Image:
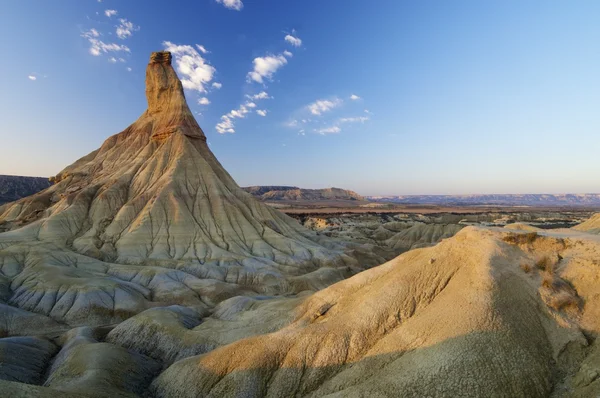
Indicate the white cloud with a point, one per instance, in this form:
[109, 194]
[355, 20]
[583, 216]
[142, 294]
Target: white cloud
[202, 49]
[239, 113]
[265, 67]
[97, 46]
[359, 119]
[368, 112]
[110, 13]
[217, 85]
[329, 130]
[203, 101]
[225, 126]
[294, 41]
[288, 54]
[32, 77]
[259, 96]
[126, 28]
[129, 69]
[354, 97]
[261, 112]
[196, 73]
[232, 4]
[321, 106]
[112, 60]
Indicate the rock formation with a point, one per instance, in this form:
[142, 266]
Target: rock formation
[382, 231]
[151, 219]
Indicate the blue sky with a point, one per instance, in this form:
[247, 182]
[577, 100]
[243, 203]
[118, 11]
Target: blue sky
[387, 97]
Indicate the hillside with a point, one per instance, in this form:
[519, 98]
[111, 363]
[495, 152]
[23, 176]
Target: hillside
[592, 225]
[154, 201]
[16, 187]
[489, 312]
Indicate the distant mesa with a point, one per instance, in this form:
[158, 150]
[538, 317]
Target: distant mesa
[287, 193]
[555, 200]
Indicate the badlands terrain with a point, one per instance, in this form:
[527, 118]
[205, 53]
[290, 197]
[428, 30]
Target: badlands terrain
[395, 231]
[145, 270]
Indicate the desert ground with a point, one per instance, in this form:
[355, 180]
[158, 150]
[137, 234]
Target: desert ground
[145, 270]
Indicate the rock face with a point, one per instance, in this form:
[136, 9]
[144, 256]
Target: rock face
[150, 219]
[284, 193]
[16, 187]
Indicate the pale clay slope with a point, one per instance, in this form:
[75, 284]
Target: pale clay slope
[459, 319]
[151, 229]
[463, 318]
[592, 225]
[392, 237]
[152, 219]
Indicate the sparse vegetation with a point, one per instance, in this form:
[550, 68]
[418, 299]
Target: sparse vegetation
[559, 294]
[548, 280]
[545, 264]
[521, 239]
[563, 300]
[527, 268]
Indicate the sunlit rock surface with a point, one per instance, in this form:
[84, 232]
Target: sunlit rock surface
[152, 219]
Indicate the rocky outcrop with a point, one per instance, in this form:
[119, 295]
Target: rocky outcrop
[152, 219]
